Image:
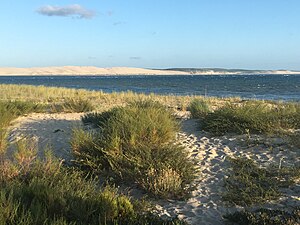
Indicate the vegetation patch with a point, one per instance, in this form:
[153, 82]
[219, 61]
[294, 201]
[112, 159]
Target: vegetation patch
[253, 117]
[249, 184]
[37, 192]
[199, 109]
[265, 216]
[10, 110]
[295, 140]
[137, 144]
[50, 95]
[70, 105]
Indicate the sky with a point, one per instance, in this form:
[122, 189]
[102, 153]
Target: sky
[246, 34]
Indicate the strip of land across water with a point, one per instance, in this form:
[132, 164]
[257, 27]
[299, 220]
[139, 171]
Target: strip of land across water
[113, 71]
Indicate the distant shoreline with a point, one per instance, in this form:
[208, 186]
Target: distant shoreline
[129, 71]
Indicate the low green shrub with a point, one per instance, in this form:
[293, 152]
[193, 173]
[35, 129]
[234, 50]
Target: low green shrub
[3, 141]
[252, 117]
[160, 181]
[34, 191]
[248, 184]
[295, 140]
[137, 144]
[12, 109]
[73, 105]
[19, 107]
[265, 216]
[93, 118]
[88, 151]
[199, 109]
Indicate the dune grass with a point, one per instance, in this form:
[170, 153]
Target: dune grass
[265, 216]
[10, 110]
[42, 191]
[132, 143]
[249, 184]
[99, 99]
[137, 144]
[253, 117]
[199, 108]
[295, 140]
[70, 105]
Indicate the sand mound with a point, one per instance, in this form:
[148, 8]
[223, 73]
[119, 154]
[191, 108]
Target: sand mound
[84, 70]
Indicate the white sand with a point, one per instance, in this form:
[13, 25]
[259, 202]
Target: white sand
[205, 206]
[53, 130]
[85, 70]
[91, 70]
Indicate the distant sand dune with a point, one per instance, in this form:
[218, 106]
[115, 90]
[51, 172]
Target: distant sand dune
[85, 70]
[113, 71]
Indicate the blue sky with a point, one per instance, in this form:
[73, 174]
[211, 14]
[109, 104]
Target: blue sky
[252, 34]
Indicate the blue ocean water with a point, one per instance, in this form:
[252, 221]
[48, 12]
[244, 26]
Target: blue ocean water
[271, 87]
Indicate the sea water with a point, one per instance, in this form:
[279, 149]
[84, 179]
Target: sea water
[270, 87]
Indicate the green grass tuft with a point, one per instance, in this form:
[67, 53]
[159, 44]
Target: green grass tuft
[265, 216]
[253, 117]
[249, 184]
[70, 105]
[199, 109]
[34, 191]
[137, 144]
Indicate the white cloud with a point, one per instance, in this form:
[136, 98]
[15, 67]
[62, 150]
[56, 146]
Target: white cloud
[67, 11]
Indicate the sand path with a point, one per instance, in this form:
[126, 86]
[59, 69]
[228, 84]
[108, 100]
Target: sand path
[53, 130]
[210, 153]
[206, 205]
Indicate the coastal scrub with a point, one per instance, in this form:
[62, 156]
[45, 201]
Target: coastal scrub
[137, 144]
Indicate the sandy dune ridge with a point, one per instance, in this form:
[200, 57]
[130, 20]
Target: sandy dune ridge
[85, 70]
[117, 71]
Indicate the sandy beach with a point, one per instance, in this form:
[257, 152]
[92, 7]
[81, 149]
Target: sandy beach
[210, 154]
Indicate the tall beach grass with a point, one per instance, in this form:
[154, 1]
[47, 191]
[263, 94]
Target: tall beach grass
[250, 116]
[35, 191]
[137, 144]
[100, 100]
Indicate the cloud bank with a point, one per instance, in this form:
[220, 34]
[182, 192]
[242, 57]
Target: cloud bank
[67, 11]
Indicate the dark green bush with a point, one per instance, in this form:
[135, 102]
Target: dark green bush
[199, 109]
[12, 109]
[19, 107]
[137, 144]
[94, 118]
[295, 140]
[252, 117]
[73, 105]
[45, 192]
[248, 184]
[264, 217]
